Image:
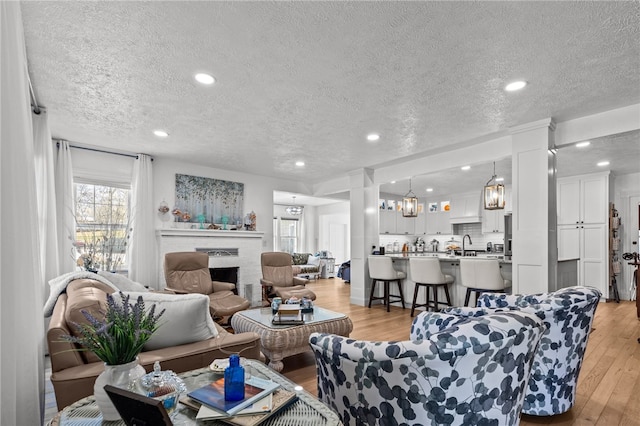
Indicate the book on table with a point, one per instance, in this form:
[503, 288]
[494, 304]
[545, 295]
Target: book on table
[212, 395]
[279, 401]
[288, 314]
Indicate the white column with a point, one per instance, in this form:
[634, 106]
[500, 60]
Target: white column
[535, 254]
[364, 231]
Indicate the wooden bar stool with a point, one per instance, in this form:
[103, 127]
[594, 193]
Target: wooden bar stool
[480, 275]
[381, 269]
[426, 272]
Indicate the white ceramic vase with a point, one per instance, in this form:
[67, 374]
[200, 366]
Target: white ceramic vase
[121, 376]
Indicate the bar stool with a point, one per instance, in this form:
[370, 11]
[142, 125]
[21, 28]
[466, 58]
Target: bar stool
[480, 275]
[426, 272]
[381, 269]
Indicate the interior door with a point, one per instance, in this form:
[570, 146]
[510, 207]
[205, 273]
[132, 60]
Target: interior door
[338, 241]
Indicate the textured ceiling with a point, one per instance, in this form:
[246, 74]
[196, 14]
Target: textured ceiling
[308, 80]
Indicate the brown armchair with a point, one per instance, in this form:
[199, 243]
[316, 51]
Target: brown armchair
[278, 280]
[188, 272]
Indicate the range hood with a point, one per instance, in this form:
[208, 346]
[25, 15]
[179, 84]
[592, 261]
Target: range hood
[465, 219]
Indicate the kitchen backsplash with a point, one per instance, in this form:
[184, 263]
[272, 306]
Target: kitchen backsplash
[478, 239]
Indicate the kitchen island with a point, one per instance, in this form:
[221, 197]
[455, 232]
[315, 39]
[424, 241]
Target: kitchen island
[450, 264]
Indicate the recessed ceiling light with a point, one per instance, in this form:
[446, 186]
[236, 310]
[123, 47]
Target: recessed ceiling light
[603, 163]
[499, 179]
[516, 85]
[583, 144]
[429, 189]
[205, 79]
[160, 133]
[393, 181]
[465, 168]
[299, 163]
[372, 137]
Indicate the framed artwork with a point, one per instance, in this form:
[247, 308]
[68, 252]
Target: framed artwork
[214, 199]
[445, 206]
[433, 207]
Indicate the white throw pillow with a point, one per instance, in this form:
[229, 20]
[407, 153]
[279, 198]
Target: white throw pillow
[312, 260]
[121, 282]
[186, 318]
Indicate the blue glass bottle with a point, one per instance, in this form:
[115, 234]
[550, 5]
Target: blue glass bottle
[234, 380]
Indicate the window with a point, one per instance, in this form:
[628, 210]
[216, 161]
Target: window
[102, 226]
[286, 234]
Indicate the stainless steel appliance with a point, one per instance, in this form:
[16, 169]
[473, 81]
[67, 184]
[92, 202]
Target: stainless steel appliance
[508, 235]
[498, 248]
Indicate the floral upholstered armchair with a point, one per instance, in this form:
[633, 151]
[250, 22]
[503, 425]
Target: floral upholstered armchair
[567, 314]
[473, 372]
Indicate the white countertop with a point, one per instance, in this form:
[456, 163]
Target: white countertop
[445, 257]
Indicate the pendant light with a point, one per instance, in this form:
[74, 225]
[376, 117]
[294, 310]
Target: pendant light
[410, 203]
[494, 193]
[294, 210]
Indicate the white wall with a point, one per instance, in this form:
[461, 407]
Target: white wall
[333, 219]
[627, 188]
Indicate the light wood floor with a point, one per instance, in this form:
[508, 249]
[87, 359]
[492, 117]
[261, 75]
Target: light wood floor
[609, 383]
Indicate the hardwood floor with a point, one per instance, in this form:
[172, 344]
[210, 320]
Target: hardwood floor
[609, 384]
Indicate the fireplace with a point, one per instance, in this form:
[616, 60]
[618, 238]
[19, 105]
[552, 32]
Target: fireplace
[226, 275]
[234, 254]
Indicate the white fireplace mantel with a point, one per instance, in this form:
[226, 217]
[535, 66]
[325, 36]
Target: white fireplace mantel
[247, 243]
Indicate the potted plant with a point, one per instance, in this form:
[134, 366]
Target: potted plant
[117, 339]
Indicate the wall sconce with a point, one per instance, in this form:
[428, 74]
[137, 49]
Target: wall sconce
[494, 193]
[410, 203]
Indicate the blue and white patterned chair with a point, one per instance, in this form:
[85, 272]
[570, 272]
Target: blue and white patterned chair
[473, 372]
[568, 314]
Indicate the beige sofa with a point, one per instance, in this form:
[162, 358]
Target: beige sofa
[74, 372]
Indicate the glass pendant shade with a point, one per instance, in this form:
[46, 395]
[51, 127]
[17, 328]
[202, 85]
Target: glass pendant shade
[294, 210]
[410, 204]
[494, 193]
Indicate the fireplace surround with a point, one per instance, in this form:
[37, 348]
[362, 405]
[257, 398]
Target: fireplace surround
[236, 250]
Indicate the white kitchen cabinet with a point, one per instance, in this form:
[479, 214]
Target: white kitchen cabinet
[492, 221]
[583, 199]
[405, 225]
[583, 225]
[387, 222]
[438, 223]
[420, 224]
[588, 243]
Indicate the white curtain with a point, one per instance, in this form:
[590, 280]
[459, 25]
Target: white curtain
[142, 249]
[21, 283]
[65, 210]
[46, 191]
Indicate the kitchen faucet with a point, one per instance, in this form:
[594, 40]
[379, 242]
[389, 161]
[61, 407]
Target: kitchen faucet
[463, 238]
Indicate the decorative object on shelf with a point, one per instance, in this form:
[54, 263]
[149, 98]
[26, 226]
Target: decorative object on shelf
[252, 219]
[410, 203]
[201, 218]
[494, 193]
[116, 339]
[177, 213]
[295, 209]
[225, 222]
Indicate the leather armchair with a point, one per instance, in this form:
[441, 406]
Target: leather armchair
[188, 272]
[475, 372]
[278, 280]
